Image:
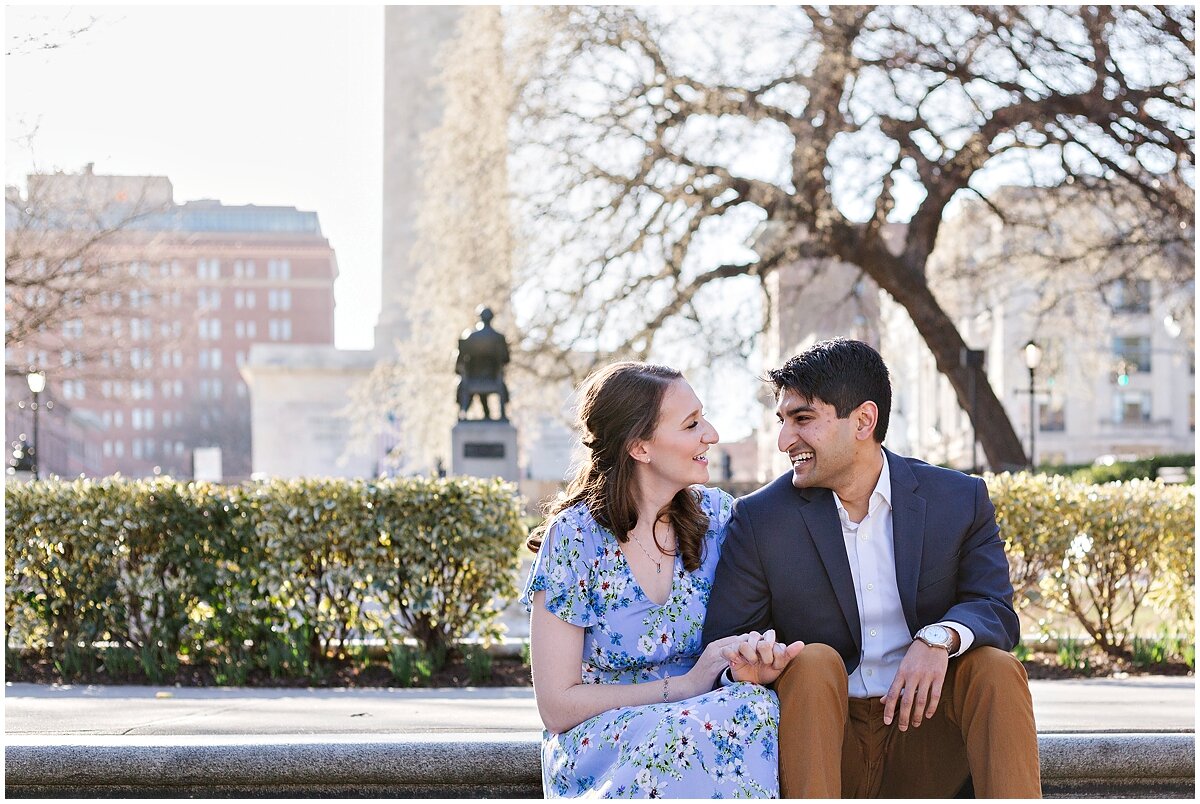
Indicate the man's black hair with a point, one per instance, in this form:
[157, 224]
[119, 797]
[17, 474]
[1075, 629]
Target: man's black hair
[840, 372]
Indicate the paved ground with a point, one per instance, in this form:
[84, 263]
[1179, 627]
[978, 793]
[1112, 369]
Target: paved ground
[34, 712]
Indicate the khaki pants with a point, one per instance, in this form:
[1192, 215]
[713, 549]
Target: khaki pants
[831, 746]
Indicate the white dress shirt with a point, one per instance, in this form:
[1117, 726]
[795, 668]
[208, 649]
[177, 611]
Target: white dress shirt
[871, 552]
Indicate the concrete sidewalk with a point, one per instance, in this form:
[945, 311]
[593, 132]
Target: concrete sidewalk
[37, 713]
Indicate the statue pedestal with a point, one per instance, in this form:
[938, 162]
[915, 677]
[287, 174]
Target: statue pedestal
[485, 448]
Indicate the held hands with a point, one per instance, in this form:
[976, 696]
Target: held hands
[915, 693]
[710, 665]
[758, 658]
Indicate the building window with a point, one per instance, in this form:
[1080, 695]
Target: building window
[249, 269]
[210, 329]
[1052, 416]
[108, 449]
[1131, 407]
[208, 269]
[239, 329]
[251, 299]
[1133, 352]
[1128, 296]
[119, 449]
[118, 418]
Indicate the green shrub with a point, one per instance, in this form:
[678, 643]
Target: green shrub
[1100, 552]
[1119, 471]
[278, 576]
[448, 555]
[409, 666]
[479, 664]
[1072, 654]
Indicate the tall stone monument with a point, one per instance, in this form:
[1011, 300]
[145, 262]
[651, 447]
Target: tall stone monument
[484, 447]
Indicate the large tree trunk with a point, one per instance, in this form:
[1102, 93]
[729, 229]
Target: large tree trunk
[993, 429]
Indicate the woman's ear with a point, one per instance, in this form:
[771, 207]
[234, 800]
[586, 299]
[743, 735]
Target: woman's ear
[638, 451]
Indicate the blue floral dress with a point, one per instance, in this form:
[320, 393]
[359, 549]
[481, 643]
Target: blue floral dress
[721, 744]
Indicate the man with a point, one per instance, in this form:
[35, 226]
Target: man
[893, 573]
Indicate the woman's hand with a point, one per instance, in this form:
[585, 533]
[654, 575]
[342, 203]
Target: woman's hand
[758, 658]
[712, 662]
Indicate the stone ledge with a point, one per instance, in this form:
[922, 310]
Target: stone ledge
[458, 765]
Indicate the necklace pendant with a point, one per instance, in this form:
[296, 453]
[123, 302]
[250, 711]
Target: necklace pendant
[658, 569]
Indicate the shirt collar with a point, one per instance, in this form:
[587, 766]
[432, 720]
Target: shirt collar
[881, 494]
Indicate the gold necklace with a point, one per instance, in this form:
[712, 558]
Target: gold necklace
[657, 564]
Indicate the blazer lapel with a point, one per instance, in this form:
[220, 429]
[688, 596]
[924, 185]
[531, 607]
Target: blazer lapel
[908, 534]
[825, 529]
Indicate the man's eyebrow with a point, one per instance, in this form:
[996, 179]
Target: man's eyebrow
[796, 410]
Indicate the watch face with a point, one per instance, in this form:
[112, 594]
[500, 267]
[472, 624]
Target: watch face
[936, 634]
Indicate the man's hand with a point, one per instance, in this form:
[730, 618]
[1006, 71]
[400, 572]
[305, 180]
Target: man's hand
[758, 658]
[918, 685]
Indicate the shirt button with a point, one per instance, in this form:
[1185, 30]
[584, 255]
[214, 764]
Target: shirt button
[870, 672]
[870, 586]
[872, 632]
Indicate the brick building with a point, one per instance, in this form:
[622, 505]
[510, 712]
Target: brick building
[151, 359]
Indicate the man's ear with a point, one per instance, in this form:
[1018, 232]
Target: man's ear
[866, 416]
[638, 451]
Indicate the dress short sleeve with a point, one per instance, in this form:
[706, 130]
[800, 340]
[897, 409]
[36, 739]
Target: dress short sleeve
[563, 570]
[718, 505]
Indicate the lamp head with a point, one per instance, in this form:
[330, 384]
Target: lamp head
[1033, 355]
[37, 381]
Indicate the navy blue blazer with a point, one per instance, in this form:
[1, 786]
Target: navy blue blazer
[784, 564]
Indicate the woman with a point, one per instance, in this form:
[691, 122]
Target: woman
[617, 594]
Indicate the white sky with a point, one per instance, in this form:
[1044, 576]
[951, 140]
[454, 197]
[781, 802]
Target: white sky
[269, 105]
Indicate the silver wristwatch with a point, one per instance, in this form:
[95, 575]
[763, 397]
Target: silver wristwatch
[937, 636]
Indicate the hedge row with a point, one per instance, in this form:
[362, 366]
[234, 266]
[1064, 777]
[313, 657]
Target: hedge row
[277, 576]
[1142, 468]
[1100, 554]
[280, 576]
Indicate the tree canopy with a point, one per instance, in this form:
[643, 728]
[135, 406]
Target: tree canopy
[650, 144]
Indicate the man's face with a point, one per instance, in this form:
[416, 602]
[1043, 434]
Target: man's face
[823, 448]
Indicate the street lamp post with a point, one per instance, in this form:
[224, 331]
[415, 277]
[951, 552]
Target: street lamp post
[37, 384]
[973, 360]
[1033, 358]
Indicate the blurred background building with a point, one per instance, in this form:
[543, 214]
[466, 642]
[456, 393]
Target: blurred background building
[148, 370]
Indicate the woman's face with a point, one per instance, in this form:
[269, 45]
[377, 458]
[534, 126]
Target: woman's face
[676, 455]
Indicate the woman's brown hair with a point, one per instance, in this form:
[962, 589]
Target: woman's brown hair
[620, 404]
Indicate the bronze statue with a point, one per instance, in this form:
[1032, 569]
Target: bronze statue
[482, 355]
